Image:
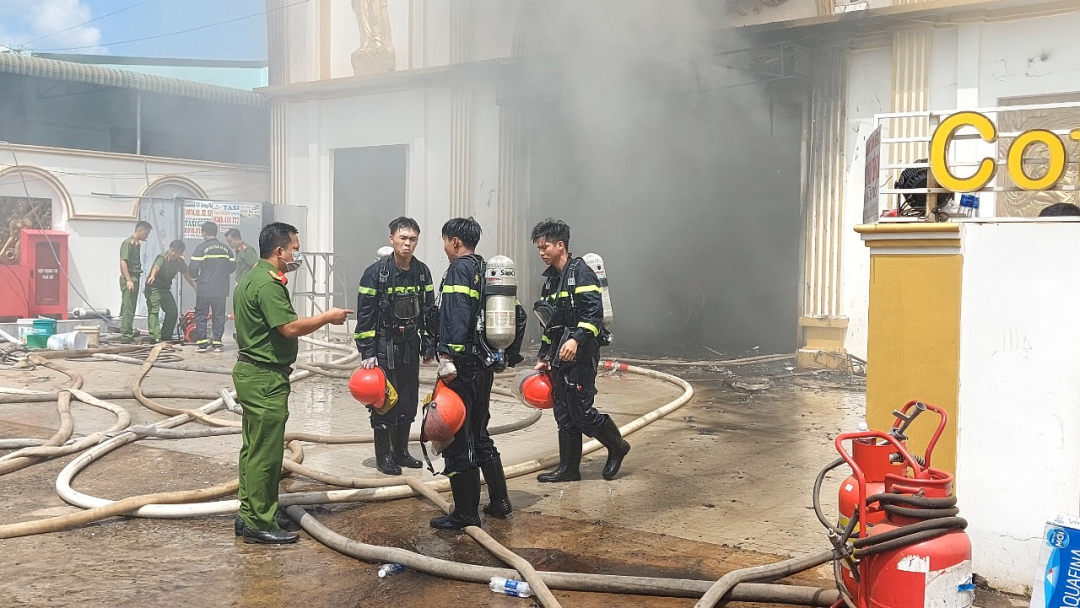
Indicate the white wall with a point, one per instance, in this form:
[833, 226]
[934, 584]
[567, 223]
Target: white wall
[1019, 427]
[97, 224]
[973, 65]
[419, 118]
[1030, 57]
[869, 93]
[755, 12]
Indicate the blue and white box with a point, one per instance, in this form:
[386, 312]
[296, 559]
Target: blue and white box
[1057, 580]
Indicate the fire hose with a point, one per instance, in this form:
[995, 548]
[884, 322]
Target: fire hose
[577, 582]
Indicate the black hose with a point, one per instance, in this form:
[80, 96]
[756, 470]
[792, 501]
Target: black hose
[921, 513]
[958, 523]
[918, 501]
[899, 543]
[817, 494]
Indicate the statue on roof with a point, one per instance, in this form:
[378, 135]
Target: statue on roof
[376, 53]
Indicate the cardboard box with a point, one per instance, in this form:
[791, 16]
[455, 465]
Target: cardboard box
[1057, 579]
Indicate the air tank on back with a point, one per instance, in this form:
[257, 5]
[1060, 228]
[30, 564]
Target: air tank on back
[596, 262]
[384, 252]
[500, 307]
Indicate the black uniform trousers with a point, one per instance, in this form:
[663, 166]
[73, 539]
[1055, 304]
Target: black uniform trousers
[472, 445]
[216, 306]
[575, 391]
[405, 378]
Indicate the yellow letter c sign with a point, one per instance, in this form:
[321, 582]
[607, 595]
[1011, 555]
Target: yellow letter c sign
[939, 152]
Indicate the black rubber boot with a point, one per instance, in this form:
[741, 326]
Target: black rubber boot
[399, 447]
[282, 519]
[569, 460]
[466, 488]
[499, 500]
[383, 459]
[273, 537]
[617, 447]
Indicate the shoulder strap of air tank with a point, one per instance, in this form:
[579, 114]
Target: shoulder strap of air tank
[384, 272]
[381, 290]
[570, 281]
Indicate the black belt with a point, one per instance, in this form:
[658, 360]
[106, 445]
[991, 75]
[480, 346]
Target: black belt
[284, 369]
[401, 328]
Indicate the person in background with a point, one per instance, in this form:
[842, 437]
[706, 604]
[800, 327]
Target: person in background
[211, 264]
[158, 290]
[245, 255]
[1060, 210]
[130, 273]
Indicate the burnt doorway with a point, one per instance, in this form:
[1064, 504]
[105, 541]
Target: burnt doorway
[370, 190]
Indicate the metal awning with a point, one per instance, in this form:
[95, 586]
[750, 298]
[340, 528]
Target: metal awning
[13, 63]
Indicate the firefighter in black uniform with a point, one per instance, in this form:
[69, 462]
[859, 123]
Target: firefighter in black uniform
[468, 369]
[393, 296]
[212, 265]
[572, 312]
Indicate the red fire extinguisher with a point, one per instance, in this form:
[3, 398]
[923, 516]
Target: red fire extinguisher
[900, 537]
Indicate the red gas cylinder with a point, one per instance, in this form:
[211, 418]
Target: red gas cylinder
[884, 472]
[936, 571]
[874, 458]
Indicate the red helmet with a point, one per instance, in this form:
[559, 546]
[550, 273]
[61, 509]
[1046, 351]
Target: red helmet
[445, 415]
[369, 386]
[534, 389]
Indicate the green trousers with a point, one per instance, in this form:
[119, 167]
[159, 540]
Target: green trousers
[129, 300]
[264, 396]
[160, 300]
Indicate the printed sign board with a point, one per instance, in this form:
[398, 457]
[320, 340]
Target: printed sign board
[872, 188]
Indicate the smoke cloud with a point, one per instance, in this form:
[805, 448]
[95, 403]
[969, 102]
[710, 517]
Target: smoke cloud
[655, 135]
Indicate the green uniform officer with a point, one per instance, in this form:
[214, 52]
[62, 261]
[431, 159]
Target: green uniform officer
[130, 273]
[246, 256]
[159, 297]
[267, 333]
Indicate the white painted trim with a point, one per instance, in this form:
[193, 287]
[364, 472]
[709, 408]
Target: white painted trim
[914, 251]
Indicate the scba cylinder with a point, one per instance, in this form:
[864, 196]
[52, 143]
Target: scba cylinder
[500, 302]
[596, 262]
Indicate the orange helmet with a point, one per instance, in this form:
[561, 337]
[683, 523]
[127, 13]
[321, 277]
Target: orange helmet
[534, 389]
[445, 415]
[370, 387]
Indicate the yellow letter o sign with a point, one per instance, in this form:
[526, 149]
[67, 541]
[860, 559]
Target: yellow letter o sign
[1054, 172]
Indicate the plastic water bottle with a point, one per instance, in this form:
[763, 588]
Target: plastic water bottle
[510, 587]
[386, 570]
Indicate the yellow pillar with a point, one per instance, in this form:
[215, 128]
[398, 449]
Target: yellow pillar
[913, 336]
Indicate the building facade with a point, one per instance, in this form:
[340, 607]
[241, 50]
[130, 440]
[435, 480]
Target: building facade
[103, 145]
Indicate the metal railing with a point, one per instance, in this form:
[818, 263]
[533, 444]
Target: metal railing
[901, 150]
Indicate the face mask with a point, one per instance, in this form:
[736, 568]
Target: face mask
[298, 261]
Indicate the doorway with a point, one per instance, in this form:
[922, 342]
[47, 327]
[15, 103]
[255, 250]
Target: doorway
[370, 190]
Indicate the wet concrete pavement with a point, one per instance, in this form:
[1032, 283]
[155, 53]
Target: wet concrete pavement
[727, 473]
